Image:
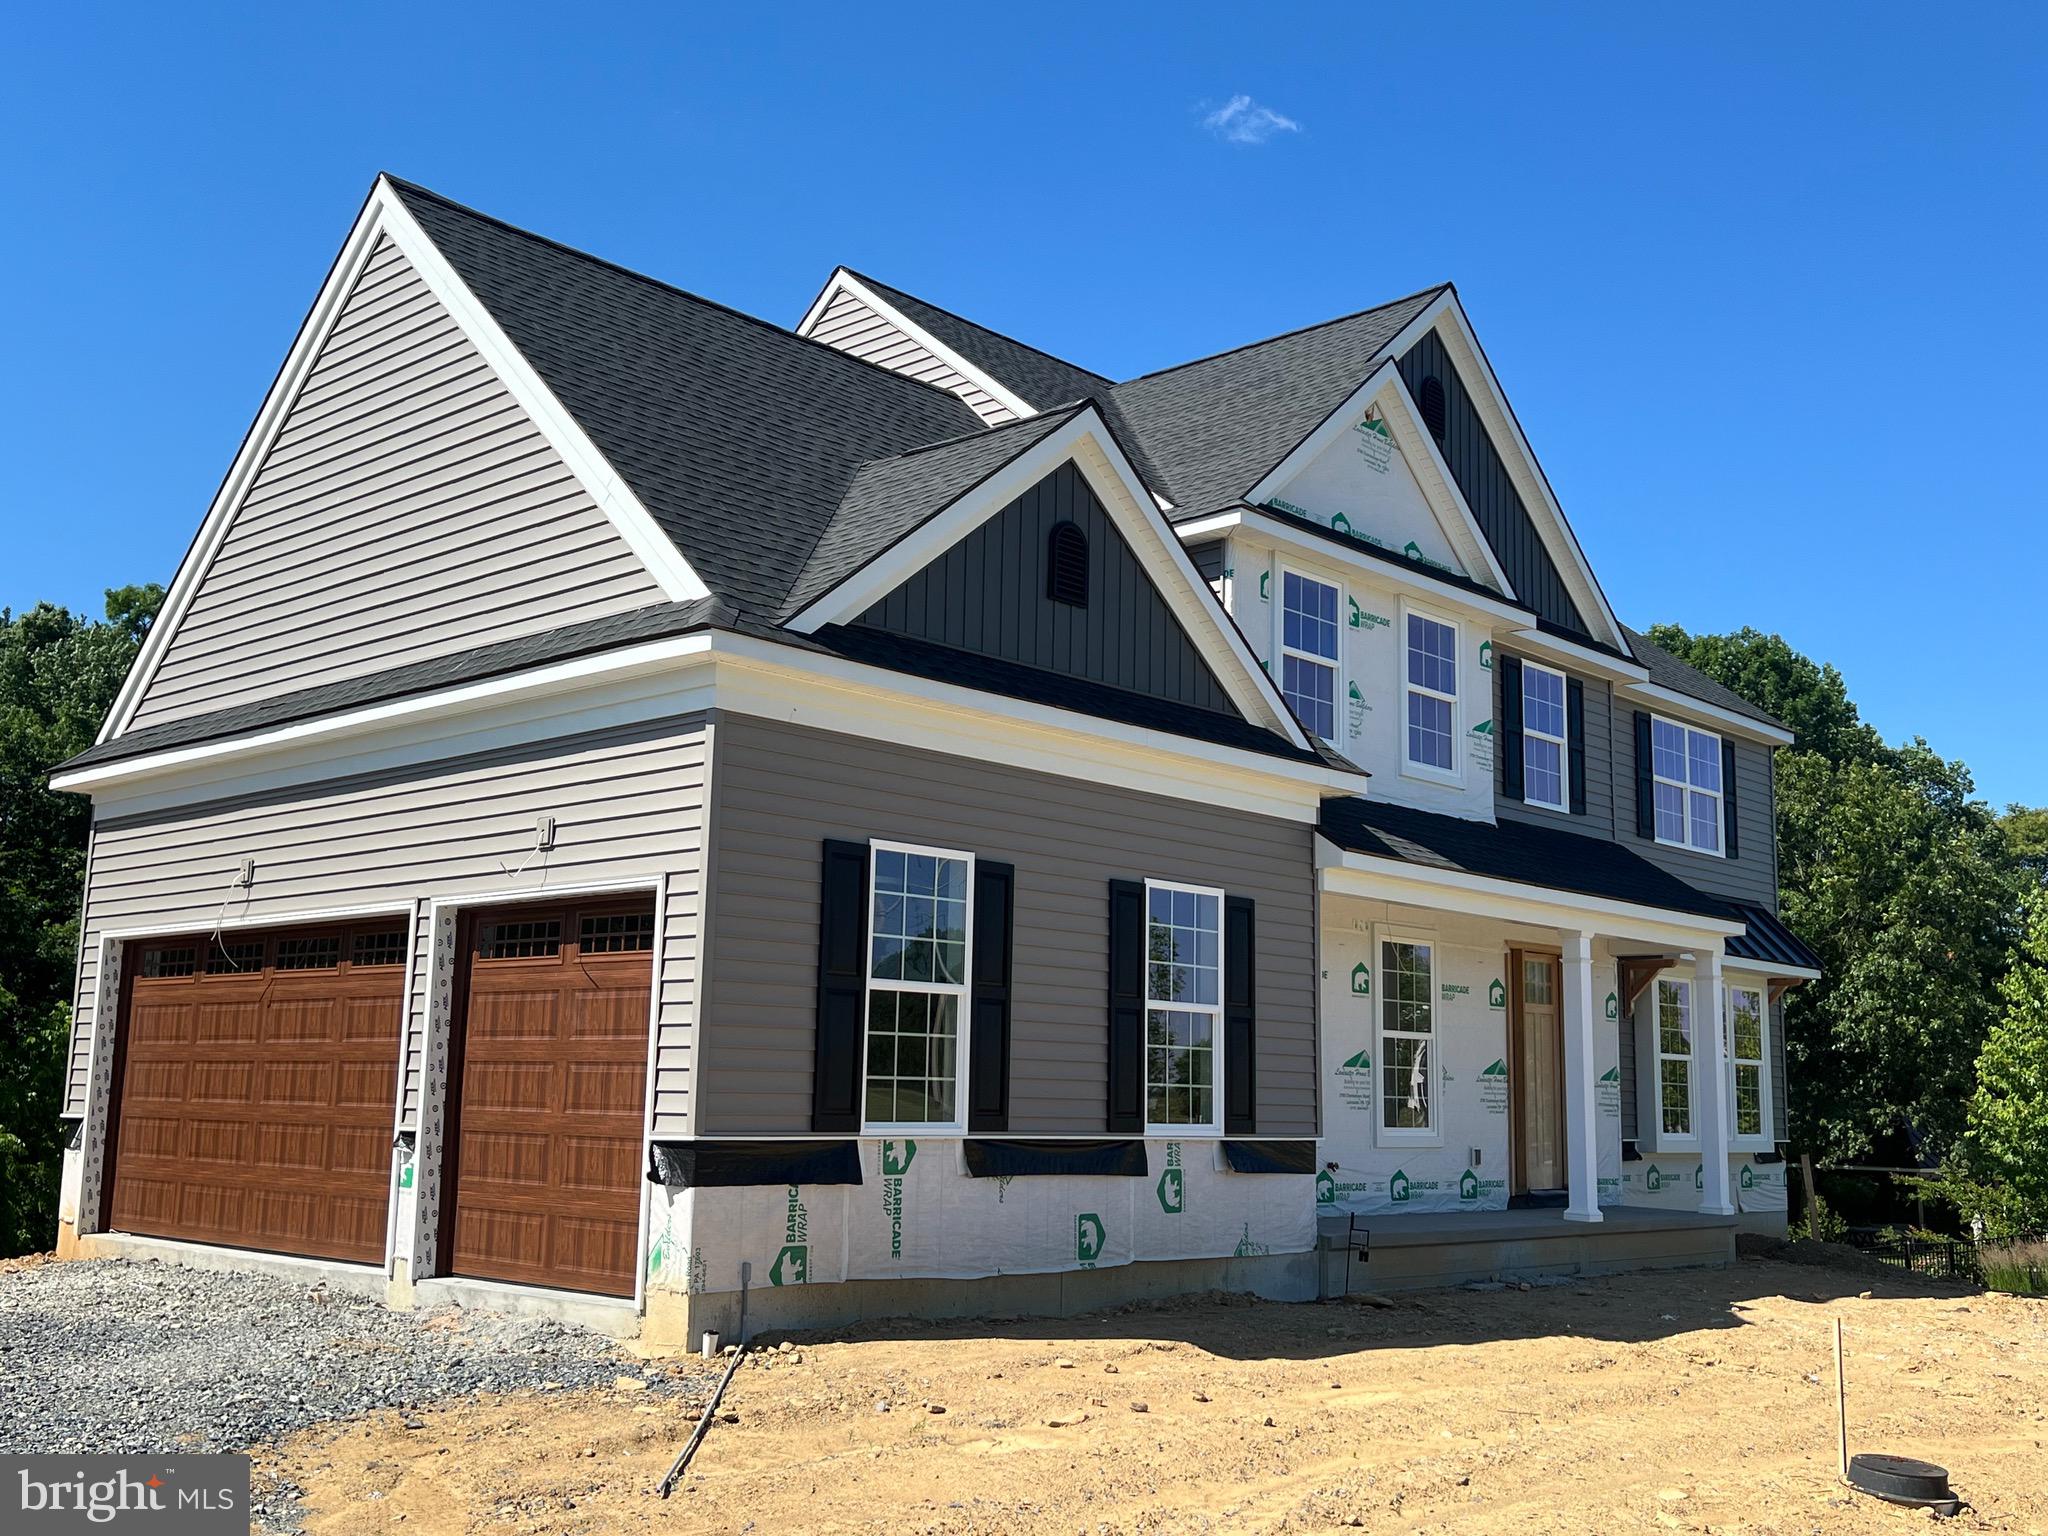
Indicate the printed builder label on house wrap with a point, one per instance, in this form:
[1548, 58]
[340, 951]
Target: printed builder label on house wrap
[163, 1495]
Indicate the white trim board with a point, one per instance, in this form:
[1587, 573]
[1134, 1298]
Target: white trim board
[1711, 716]
[384, 214]
[843, 281]
[1447, 313]
[1385, 388]
[1088, 442]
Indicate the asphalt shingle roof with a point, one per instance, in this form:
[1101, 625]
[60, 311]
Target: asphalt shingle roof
[1038, 378]
[1211, 429]
[1668, 671]
[1511, 850]
[739, 437]
[890, 498]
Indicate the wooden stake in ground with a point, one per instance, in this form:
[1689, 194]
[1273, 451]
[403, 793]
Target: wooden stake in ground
[1841, 1406]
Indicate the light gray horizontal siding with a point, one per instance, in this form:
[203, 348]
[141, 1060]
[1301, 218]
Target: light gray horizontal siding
[781, 791]
[627, 803]
[1598, 820]
[853, 327]
[408, 508]
[1752, 876]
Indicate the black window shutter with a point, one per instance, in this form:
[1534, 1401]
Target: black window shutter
[1728, 839]
[842, 983]
[1240, 1017]
[1575, 741]
[988, 1033]
[1511, 727]
[1126, 1008]
[1646, 783]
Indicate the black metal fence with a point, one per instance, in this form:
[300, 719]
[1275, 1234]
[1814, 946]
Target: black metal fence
[1939, 1258]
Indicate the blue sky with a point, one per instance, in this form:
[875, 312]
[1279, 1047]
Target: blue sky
[1763, 284]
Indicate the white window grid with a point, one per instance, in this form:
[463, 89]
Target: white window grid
[1685, 767]
[1311, 651]
[931, 1000]
[1672, 1036]
[1546, 759]
[1429, 712]
[1405, 1094]
[1749, 1024]
[1183, 1009]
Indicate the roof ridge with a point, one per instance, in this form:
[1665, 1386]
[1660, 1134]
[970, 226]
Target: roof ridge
[1051, 357]
[1299, 330]
[655, 282]
[1051, 416]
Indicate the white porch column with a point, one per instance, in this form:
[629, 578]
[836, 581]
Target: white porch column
[1581, 1115]
[1709, 1028]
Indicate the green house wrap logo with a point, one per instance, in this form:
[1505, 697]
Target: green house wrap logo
[792, 1266]
[896, 1156]
[1397, 1187]
[1496, 993]
[1468, 1185]
[1173, 1184]
[1613, 1006]
[1498, 1069]
[1362, 1062]
[1089, 1236]
[1748, 1177]
[1326, 1188]
[1486, 655]
[1265, 586]
[1653, 1178]
[1361, 984]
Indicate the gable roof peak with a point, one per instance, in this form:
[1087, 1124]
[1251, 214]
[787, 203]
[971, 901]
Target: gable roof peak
[1432, 292]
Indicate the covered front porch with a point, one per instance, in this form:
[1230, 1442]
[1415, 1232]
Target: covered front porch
[1492, 1016]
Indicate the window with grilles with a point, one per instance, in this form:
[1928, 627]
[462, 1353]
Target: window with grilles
[315, 952]
[616, 933]
[522, 941]
[157, 963]
[378, 948]
[232, 957]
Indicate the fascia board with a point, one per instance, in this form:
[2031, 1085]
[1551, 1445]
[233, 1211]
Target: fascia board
[1723, 719]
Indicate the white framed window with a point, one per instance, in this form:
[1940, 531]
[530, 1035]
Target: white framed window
[1546, 765]
[1310, 661]
[920, 929]
[1430, 698]
[1748, 1029]
[1673, 1032]
[1183, 1008]
[1686, 766]
[1407, 1087]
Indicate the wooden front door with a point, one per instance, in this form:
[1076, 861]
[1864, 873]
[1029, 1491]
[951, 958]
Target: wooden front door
[547, 1092]
[254, 1084]
[1536, 1070]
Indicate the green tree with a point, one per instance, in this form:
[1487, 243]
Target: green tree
[2005, 1149]
[1905, 885]
[2026, 831]
[58, 676]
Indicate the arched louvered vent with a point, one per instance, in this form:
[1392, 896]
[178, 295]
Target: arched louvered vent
[1066, 565]
[1432, 404]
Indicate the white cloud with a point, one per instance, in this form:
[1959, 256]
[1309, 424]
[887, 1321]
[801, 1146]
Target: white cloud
[1241, 120]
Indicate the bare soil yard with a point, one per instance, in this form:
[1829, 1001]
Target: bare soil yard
[1697, 1401]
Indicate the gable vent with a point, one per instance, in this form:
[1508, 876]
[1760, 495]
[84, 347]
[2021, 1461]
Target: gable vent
[1066, 565]
[1432, 403]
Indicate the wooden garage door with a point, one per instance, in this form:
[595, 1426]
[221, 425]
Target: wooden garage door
[548, 1096]
[255, 1076]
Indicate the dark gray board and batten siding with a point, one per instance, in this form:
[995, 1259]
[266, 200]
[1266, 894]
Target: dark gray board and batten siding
[781, 791]
[628, 803]
[1488, 488]
[987, 595]
[407, 508]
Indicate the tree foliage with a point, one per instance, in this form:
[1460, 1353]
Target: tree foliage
[1906, 886]
[58, 677]
[2005, 1148]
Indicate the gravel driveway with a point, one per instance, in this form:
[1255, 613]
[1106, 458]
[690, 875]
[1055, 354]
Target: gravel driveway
[114, 1355]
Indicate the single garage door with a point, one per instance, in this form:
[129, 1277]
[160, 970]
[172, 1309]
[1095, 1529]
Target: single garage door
[255, 1076]
[548, 1093]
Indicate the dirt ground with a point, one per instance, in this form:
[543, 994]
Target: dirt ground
[1689, 1401]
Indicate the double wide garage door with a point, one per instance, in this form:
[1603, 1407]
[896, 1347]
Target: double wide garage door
[255, 1082]
[256, 1077]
